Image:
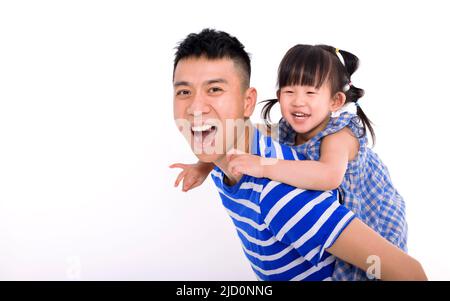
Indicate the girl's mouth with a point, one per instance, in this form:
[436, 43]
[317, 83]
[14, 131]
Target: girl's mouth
[300, 115]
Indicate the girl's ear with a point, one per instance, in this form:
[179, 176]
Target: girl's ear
[338, 101]
[250, 102]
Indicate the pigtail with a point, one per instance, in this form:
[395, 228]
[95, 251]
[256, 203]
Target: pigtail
[353, 94]
[265, 112]
[351, 61]
[366, 122]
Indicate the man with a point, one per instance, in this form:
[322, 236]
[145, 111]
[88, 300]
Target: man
[287, 233]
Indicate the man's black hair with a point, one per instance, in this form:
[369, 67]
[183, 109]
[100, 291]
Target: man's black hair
[213, 44]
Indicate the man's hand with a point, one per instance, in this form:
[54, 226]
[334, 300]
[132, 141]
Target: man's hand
[192, 175]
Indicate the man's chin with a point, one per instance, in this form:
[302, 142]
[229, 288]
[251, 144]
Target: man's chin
[209, 158]
[207, 152]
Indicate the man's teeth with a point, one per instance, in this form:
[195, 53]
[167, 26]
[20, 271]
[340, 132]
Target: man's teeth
[204, 134]
[202, 128]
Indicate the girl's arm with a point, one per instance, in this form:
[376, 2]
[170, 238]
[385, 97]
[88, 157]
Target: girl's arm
[361, 246]
[326, 174]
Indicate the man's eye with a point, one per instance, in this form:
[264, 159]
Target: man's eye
[215, 90]
[182, 93]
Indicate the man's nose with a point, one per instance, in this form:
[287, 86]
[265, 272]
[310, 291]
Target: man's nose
[199, 105]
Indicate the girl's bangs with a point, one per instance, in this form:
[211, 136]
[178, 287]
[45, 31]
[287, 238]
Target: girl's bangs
[305, 67]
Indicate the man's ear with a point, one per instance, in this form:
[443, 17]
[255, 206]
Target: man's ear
[338, 101]
[250, 102]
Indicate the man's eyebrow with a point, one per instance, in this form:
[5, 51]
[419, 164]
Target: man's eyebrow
[208, 82]
[181, 83]
[216, 81]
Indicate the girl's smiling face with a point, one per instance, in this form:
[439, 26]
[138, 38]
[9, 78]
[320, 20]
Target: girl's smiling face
[307, 108]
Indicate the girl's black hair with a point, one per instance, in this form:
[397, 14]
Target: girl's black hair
[313, 65]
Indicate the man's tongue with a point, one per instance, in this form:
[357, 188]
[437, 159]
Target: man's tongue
[204, 136]
[200, 136]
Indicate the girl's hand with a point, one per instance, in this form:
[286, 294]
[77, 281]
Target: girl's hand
[242, 163]
[193, 175]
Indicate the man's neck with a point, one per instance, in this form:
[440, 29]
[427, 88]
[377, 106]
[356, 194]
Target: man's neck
[244, 144]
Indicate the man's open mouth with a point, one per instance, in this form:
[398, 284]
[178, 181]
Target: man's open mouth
[204, 134]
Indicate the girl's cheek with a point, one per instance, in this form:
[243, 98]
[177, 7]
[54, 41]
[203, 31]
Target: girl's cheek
[283, 103]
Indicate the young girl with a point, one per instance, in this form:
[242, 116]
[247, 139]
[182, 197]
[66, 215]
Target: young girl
[323, 121]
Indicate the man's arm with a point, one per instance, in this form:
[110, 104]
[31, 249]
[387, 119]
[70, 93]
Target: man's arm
[314, 222]
[357, 242]
[192, 175]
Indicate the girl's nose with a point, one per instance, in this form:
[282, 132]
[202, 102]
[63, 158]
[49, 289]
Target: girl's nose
[298, 101]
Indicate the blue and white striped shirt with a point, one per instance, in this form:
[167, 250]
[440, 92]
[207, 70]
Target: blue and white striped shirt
[284, 230]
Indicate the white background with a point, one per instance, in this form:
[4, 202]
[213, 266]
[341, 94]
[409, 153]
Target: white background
[87, 133]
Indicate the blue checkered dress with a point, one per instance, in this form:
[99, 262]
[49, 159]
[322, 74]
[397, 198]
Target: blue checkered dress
[367, 188]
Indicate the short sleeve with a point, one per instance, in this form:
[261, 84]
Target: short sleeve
[310, 221]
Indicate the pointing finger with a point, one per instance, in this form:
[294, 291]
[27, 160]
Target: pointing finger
[180, 177]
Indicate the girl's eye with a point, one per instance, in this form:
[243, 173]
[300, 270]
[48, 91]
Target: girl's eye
[288, 91]
[310, 92]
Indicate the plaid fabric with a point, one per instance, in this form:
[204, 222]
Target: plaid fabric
[367, 188]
